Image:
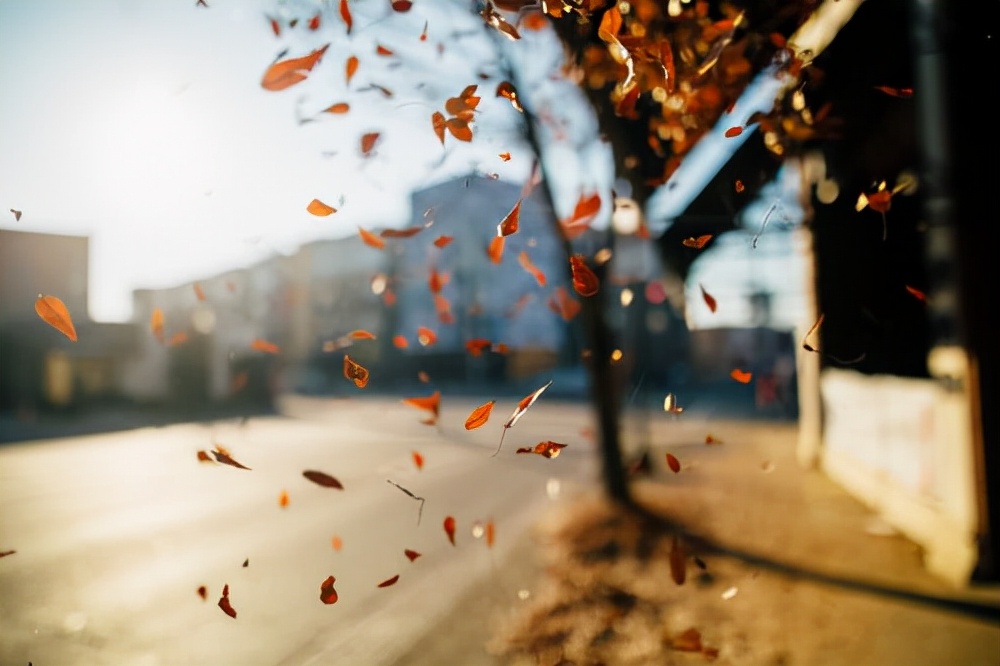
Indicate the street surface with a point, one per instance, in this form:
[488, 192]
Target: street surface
[115, 533]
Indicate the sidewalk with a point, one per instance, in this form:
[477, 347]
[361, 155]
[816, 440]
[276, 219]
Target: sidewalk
[795, 572]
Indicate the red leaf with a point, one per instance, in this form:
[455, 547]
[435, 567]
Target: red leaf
[431, 403]
[345, 13]
[423, 35]
[585, 281]
[356, 372]
[504, 157]
[546, 449]
[733, 131]
[698, 242]
[587, 207]
[418, 460]
[287, 73]
[322, 479]
[371, 239]
[741, 376]
[400, 342]
[368, 141]
[449, 529]
[510, 224]
[709, 299]
[314, 21]
[204, 457]
[531, 268]
[327, 594]
[411, 554]
[495, 250]
[389, 581]
[442, 241]
[916, 293]
[479, 416]
[438, 122]
[402, 5]
[55, 313]
[383, 51]
[563, 304]
[275, 26]
[203, 592]
[224, 604]
[673, 463]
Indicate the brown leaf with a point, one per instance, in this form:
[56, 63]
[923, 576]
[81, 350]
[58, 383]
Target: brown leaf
[673, 463]
[55, 313]
[327, 594]
[697, 243]
[708, 298]
[389, 581]
[224, 604]
[411, 554]
[678, 562]
[203, 592]
[222, 456]
[322, 479]
[356, 372]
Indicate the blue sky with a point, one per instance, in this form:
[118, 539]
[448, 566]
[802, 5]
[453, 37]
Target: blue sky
[142, 123]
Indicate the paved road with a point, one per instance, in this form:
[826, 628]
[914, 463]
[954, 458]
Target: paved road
[114, 533]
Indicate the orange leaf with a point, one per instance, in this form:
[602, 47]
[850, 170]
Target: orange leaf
[204, 457]
[741, 376]
[459, 128]
[351, 67]
[361, 334]
[371, 239]
[698, 242]
[585, 281]
[563, 304]
[506, 90]
[411, 554]
[479, 416]
[423, 377]
[337, 543]
[224, 604]
[426, 336]
[546, 449]
[389, 581]
[287, 73]
[418, 459]
[709, 299]
[505, 157]
[355, 372]
[476, 346]
[495, 250]
[327, 594]
[711, 439]
[199, 293]
[519, 411]
[264, 346]
[156, 324]
[400, 342]
[449, 529]
[320, 209]
[490, 533]
[55, 313]
[673, 463]
[733, 131]
[345, 13]
[178, 338]
[322, 479]
[438, 122]
[401, 233]
[678, 562]
[436, 281]
[689, 641]
[739, 186]
[442, 241]
[283, 499]
[510, 224]
[527, 265]
[587, 206]
[383, 51]
[431, 403]
[368, 141]
[339, 107]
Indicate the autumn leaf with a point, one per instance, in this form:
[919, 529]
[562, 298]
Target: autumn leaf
[531, 268]
[203, 592]
[336, 543]
[371, 239]
[351, 68]
[733, 131]
[246, 563]
[495, 249]
[224, 603]
[156, 324]
[400, 342]
[739, 186]
[443, 241]
[283, 499]
[16, 214]
[338, 108]
[7, 552]
[708, 298]
[222, 456]
[401, 233]
[322, 479]
[741, 376]
[438, 123]
[916, 293]
[545, 449]
[204, 457]
[504, 157]
[523, 406]
[402, 5]
[449, 529]
[411, 554]
[431, 403]
[697, 243]
[495, 20]
[361, 334]
[355, 372]
[688, 641]
[55, 313]
[327, 594]
[425, 336]
[199, 293]
[895, 92]
[345, 13]
[286, 73]
[476, 346]
[678, 561]
[509, 225]
[389, 581]
[264, 346]
[673, 463]
[383, 51]
[585, 281]
[320, 209]
[563, 304]
[423, 377]
[587, 207]
[437, 280]
[506, 90]
[418, 459]
[479, 416]
[712, 439]
[368, 141]
[490, 533]
[459, 128]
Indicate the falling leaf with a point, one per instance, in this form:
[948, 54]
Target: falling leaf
[490, 533]
[522, 407]
[689, 641]
[383, 51]
[741, 376]
[504, 157]
[711, 439]
[708, 298]
[55, 313]
[678, 561]
[355, 372]
[698, 242]
[345, 13]
[563, 304]
[224, 604]
[401, 233]
[585, 281]
[459, 128]
[437, 280]
[895, 92]
[368, 141]
[351, 67]
[246, 563]
[156, 324]
[476, 346]
[670, 404]
[510, 224]
[400, 342]
[506, 90]
[479, 416]
[739, 186]
[587, 207]
[411, 554]
[203, 592]
[495, 20]
[336, 542]
[371, 239]
[438, 123]
[264, 346]
[389, 581]
[339, 107]
[402, 5]
[320, 209]
[673, 463]
[916, 293]
[418, 459]
[7, 552]
[222, 456]
[314, 21]
[322, 479]
[449, 529]
[546, 449]
[283, 499]
[443, 241]
[423, 377]
[286, 73]
[17, 215]
[327, 594]
[495, 249]
[431, 403]
[531, 268]
[425, 336]
[204, 457]
[199, 293]
[178, 338]
[733, 131]
[361, 334]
